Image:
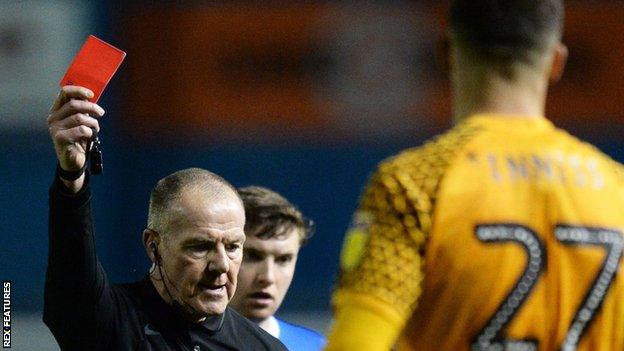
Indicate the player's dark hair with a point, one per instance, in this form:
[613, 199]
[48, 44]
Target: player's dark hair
[506, 31]
[170, 189]
[269, 215]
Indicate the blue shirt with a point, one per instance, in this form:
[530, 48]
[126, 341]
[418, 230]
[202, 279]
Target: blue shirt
[297, 338]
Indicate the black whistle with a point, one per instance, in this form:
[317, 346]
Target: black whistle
[95, 156]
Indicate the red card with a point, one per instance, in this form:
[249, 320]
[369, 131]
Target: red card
[94, 66]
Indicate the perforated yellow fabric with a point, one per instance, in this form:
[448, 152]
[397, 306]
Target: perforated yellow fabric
[503, 233]
[397, 209]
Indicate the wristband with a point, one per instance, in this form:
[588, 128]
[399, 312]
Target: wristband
[70, 176]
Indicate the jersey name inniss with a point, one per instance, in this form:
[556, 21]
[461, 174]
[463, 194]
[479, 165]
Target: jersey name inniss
[519, 232]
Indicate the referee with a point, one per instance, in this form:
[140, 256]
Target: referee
[194, 238]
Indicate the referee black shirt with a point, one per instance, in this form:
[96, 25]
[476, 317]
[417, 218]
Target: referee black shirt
[85, 312]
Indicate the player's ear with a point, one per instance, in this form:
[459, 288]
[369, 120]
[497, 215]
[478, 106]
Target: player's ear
[443, 53]
[560, 57]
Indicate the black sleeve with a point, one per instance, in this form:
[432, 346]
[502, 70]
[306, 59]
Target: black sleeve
[75, 282]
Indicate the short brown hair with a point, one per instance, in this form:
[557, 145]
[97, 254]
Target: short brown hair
[507, 31]
[268, 214]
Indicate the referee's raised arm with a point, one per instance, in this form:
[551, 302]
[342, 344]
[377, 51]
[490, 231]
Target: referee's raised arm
[74, 279]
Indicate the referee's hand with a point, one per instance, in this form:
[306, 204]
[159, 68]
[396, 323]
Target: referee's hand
[70, 123]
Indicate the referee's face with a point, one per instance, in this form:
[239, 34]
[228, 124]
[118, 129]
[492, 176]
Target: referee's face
[202, 253]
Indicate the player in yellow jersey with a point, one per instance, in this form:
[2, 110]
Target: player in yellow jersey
[504, 233]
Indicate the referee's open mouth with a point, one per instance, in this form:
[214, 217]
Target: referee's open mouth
[212, 288]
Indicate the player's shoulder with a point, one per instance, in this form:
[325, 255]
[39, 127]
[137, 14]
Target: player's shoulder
[588, 150]
[287, 327]
[298, 338]
[432, 156]
[612, 166]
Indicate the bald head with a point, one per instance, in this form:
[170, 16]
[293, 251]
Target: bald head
[166, 195]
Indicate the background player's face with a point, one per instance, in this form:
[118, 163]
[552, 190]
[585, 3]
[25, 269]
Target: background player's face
[267, 271]
[203, 251]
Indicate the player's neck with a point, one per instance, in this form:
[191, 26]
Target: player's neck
[269, 325]
[490, 94]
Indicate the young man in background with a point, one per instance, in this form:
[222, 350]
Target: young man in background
[275, 231]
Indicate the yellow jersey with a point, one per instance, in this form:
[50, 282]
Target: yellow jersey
[505, 233]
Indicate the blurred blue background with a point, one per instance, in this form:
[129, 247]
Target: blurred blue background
[319, 157]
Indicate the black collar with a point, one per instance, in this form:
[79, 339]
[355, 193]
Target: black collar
[167, 317]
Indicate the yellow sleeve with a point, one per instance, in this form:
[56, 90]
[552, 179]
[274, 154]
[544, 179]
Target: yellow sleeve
[363, 323]
[381, 264]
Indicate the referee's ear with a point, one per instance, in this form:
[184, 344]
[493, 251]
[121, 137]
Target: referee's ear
[150, 242]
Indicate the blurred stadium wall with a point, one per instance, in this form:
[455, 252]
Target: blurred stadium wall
[304, 99]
